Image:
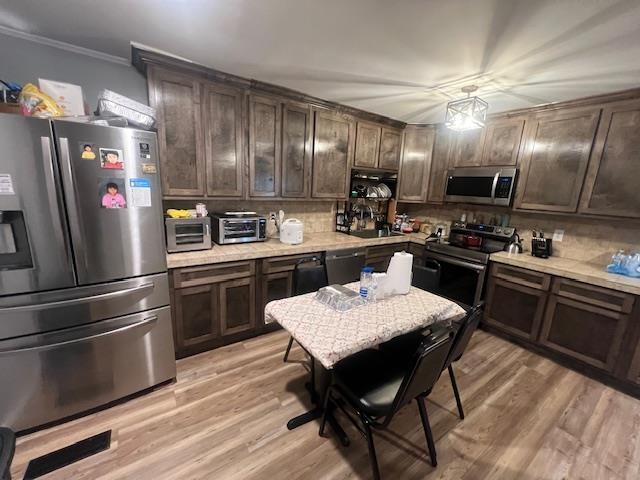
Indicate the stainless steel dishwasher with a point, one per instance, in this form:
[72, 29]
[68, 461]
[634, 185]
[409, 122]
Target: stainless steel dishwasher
[344, 266]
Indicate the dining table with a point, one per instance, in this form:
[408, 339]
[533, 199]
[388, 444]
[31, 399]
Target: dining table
[329, 336]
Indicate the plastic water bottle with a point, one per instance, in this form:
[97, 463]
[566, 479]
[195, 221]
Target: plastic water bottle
[366, 276]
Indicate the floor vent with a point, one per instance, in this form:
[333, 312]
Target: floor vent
[66, 456]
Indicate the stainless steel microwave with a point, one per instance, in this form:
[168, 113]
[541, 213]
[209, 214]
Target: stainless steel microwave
[238, 227]
[481, 185]
[187, 234]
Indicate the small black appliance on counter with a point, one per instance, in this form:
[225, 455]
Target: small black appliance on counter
[541, 246]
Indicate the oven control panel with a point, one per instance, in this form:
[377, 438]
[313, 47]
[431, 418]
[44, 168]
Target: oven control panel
[481, 228]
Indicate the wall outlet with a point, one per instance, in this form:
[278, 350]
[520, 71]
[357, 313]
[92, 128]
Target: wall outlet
[558, 235]
[272, 216]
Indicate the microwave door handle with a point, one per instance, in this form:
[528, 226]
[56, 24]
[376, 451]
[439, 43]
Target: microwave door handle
[494, 185]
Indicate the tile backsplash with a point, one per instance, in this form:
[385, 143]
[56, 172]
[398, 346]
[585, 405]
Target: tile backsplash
[316, 216]
[586, 239]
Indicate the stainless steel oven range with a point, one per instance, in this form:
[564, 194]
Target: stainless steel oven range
[464, 258]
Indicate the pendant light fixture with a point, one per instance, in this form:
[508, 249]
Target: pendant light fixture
[467, 113]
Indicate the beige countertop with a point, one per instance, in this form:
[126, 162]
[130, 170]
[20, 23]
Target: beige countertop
[591, 273]
[313, 242]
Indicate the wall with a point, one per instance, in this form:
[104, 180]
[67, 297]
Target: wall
[586, 239]
[317, 216]
[25, 61]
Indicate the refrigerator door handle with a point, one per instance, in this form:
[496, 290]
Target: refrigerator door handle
[70, 196]
[79, 301]
[83, 334]
[52, 196]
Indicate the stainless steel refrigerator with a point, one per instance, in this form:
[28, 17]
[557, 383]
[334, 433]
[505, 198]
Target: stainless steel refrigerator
[84, 296]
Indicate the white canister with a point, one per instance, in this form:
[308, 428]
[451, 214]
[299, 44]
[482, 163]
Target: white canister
[291, 231]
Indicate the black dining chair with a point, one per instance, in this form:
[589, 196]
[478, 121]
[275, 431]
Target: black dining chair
[376, 389]
[7, 449]
[309, 275]
[399, 350]
[426, 277]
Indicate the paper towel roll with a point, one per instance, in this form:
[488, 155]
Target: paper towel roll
[398, 281]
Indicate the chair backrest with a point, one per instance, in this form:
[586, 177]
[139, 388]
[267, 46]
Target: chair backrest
[7, 449]
[427, 277]
[309, 276]
[425, 368]
[462, 337]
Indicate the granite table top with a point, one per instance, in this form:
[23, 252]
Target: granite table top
[330, 336]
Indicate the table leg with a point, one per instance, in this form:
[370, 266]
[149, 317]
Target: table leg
[320, 380]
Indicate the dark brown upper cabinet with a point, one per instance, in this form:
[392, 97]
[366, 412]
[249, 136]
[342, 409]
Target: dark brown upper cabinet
[223, 133]
[416, 164]
[502, 140]
[555, 159]
[333, 144]
[264, 146]
[177, 100]
[390, 149]
[297, 130]
[439, 165]
[611, 187]
[367, 145]
[466, 148]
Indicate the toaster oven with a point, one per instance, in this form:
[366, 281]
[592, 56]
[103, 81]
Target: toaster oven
[187, 234]
[238, 227]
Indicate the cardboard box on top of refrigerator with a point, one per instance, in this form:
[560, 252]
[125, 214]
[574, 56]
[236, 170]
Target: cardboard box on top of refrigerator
[68, 96]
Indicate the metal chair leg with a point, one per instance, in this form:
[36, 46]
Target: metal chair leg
[286, 354]
[427, 430]
[325, 412]
[372, 451]
[455, 392]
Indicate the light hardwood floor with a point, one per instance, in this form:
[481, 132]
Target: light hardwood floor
[224, 418]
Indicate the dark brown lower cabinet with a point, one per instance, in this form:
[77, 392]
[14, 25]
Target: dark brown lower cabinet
[237, 305]
[194, 318]
[633, 374]
[213, 305]
[585, 332]
[514, 308]
[589, 328]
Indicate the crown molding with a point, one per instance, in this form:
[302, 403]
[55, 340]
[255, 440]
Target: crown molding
[50, 42]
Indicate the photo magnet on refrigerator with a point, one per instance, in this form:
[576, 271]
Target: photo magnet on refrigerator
[111, 159]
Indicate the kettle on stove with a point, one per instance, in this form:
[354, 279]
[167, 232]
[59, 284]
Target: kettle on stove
[515, 246]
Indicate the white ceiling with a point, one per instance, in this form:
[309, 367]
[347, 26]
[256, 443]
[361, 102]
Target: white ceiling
[400, 58]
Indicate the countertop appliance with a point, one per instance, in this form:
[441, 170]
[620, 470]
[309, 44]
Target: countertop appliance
[462, 267]
[238, 227]
[84, 295]
[481, 185]
[345, 265]
[292, 231]
[541, 246]
[188, 234]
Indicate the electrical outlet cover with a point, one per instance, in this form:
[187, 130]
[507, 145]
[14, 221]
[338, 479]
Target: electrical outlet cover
[558, 235]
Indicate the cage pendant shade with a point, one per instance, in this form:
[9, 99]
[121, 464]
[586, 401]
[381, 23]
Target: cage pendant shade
[466, 114]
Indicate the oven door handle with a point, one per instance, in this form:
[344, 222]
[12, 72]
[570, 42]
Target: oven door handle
[454, 261]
